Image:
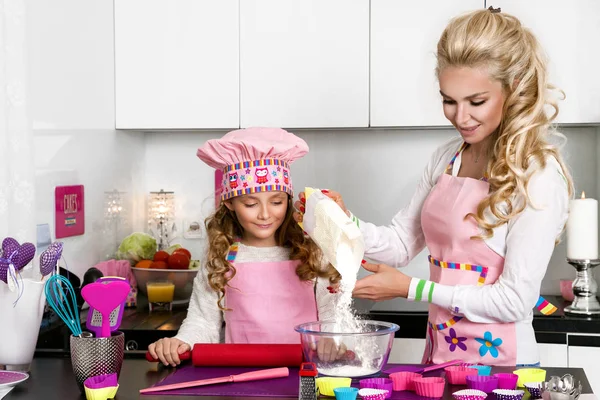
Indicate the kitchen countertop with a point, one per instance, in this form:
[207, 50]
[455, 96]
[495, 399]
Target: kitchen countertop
[52, 378]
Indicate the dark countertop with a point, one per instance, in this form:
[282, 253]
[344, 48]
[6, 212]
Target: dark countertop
[52, 378]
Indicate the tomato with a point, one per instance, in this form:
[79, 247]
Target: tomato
[184, 251]
[161, 256]
[178, 261]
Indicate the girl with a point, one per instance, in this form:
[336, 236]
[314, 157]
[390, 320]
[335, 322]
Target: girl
[491, 204]
[261, 276]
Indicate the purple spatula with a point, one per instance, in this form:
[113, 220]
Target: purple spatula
[105, 297]
[94, 318]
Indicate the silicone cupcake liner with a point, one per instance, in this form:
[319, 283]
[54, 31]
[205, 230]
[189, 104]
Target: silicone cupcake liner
[483, 370]
[506, 394]
[378, 383]
[486, 384]
[469, 394]
[345, 393]
[457, 375]
[429, 387]
[101, 381]
[372, 394]
[327, 384]
[507, 381]
[404, 380]
[535, 389]
[104, 393]
[527, 375]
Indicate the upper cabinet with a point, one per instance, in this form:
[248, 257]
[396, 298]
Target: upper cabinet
[569, 32]
[404, 36]
[176, 64]
[304, 63]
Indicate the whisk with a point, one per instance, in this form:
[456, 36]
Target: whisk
[64, 303]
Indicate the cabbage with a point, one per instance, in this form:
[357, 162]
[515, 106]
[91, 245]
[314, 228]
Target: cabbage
[136, 247]
[172, 248]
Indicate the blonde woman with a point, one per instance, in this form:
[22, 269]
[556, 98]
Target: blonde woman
[491, 203]
[261, 275]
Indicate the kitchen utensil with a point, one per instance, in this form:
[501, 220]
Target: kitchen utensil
[94, 317]
[372, 394]
[535, 389]
[49, 258]
[245, 377]
[507, 381]
[427, 369]
[327, 384]
[507, 394]
[62, 299]
[378, 383]
[469, 394]
[527, 375]
[483, 370]
[101, 387]
[104, 297]
[345, 393]
[308, 385]
[93, 356]
[242, 355]
[371, 342]
[403, 380]
[457, 375]
[430, 387]
[486, 384]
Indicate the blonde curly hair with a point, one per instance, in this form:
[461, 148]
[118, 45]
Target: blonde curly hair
[223, 228]
[512, 55]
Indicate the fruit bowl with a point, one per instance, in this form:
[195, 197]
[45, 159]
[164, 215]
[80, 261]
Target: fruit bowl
[182, 278]
[367, 349]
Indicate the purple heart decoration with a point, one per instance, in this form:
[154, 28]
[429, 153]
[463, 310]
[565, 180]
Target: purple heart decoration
[25, 253]
[9, 246]
[4, 271]
[50, 257]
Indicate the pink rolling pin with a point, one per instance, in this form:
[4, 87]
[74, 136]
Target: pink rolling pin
[245, 377]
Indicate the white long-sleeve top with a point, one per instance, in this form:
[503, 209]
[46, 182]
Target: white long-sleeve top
[204, 320]
[526, 242]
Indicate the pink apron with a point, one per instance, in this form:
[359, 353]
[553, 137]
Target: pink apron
[456, 259]
[267, 301]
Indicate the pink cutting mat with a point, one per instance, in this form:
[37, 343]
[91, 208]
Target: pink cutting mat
[279, 387]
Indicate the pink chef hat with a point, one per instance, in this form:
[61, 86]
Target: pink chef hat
[254, 160]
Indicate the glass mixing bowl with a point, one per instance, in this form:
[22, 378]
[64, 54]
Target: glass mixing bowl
[360, 353]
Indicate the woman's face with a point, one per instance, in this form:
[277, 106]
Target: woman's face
[472, 101]
[260, 215]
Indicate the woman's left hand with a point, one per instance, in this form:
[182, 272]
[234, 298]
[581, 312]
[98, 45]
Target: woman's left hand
[385, 283]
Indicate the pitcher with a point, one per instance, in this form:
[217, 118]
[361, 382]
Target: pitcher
[21, 324]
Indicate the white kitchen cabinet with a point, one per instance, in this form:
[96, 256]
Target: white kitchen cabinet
[586, 357]
[553, 355]
[569, 32]
[304, 63]
[407, 351]
[404, 36]
[176, 64]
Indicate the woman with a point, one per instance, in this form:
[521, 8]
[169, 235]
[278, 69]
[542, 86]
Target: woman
[491, 204]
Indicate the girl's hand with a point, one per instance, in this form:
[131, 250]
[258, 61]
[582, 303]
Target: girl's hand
[167, 350]
[328, 350]
[300, 204]
[385, 283]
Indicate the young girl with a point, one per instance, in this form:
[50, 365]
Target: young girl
[261, 275]
[491, 204]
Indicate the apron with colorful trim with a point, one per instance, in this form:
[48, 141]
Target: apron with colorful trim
[267, 300]
[456, 259]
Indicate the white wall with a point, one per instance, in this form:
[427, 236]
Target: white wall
[375, 170]
[71, 99]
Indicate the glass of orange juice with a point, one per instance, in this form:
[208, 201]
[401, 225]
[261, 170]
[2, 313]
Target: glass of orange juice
[160, 295]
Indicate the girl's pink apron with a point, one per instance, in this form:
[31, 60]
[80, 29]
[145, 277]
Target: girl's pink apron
[267, 300]
[456, 259]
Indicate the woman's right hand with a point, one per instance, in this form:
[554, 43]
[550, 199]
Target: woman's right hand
[300, 204]
[167, 350]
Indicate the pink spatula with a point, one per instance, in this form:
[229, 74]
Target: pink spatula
[245, 377]
[105, 297]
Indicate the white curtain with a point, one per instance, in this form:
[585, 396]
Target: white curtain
[17, 171]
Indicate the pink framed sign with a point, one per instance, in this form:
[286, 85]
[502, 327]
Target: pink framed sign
[69, 211]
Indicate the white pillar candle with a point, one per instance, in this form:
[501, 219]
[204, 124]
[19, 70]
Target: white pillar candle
[582, 229]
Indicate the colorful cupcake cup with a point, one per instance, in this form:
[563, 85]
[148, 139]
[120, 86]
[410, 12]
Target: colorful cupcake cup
[327, 384]
[345, 393]
[378, 383]
[469, 394]
[506, 394]
[486, 384]
[404, 380]
[483, 370]
[457, 375]
[507, 381]
[429, 387]
[372, 394]
[527, 375]
[535, 389]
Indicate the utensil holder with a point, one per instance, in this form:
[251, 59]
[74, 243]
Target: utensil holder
[91, 356]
